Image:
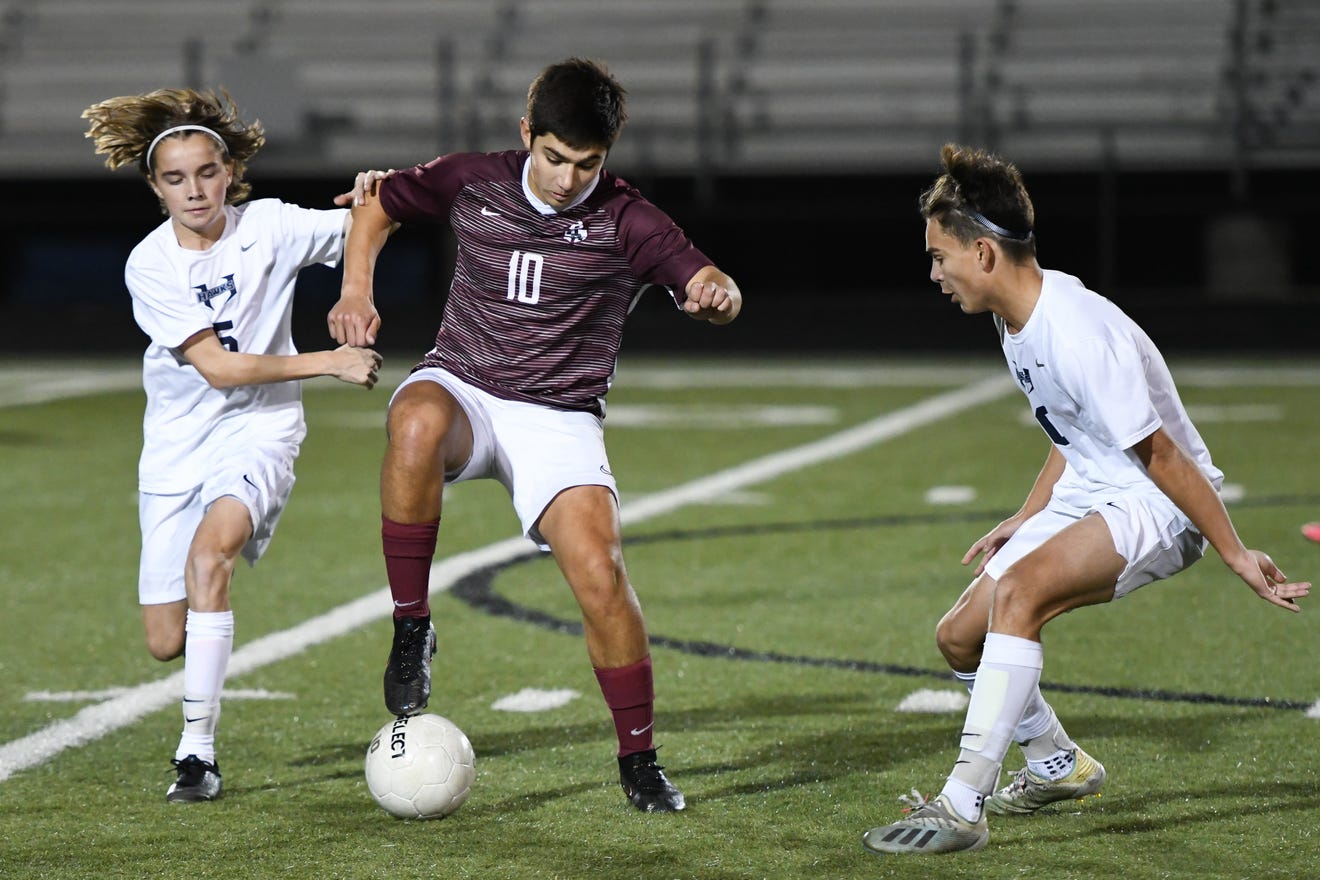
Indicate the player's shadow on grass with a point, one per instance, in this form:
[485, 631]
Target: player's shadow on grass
[1184, 734]
[1130, 812]
[25, 439]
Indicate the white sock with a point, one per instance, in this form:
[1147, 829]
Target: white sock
[1056, 766]
[965, 800]
[207, 646]
[967, 678]
[1045, 744]
[1008, 675]
[1048, 749]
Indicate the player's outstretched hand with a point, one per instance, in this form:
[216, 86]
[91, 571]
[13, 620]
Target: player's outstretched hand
[1268, 582]
[990, 542]
[708, 301]
[356, 366]
[354, 321]
[364, 184]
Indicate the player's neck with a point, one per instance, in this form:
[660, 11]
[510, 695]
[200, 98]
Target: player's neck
[1019, 291]
[199, 239]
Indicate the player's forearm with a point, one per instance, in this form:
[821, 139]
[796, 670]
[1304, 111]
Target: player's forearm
[1043, 488]
[1177, 476]
[367, 234]
[236, 369]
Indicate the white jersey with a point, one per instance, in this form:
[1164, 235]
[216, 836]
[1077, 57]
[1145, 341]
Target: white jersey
[242, 287]
[1097, 385]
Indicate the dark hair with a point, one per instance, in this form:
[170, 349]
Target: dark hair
[577, 101]
[980, 195]
[123, 129]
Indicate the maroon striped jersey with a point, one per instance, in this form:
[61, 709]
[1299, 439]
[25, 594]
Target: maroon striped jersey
[538, 301]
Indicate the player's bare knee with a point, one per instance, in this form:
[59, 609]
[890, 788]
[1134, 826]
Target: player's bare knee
[165, 646]
[415, 422]
[601, 586]
[961, 648]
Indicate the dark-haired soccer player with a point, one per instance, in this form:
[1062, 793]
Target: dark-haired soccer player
[552, 253]
[1128, 495]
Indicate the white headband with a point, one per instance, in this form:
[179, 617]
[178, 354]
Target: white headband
[178, 128]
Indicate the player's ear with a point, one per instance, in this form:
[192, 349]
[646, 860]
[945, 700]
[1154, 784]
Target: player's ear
[525, 130]
[986, 254]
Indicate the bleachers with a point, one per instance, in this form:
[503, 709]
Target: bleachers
[729, 85]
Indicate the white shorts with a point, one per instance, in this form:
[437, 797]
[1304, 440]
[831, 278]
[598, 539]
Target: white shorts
[534, 451]
[261, 478]
[1148, 529]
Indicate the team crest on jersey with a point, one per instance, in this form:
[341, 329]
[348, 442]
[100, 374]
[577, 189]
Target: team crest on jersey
[206, 294]
[576, 232]
[1024, 378]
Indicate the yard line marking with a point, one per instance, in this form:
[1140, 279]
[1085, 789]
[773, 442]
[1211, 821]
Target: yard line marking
[926, 700]
[25, 387]
[845, 442]
[93, 722]
[108, 693]
[43, 381]
[535, 700]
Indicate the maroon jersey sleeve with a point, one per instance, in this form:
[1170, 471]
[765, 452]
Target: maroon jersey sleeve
[425, 193]
[657, 250]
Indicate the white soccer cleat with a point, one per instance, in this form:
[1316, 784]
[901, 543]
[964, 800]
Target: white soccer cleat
[933, 827]
[1028, 792]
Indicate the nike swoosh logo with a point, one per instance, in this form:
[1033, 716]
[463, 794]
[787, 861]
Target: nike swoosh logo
[191, 720]
[606, 471]
[248, 480]
[487, 212]
[639, 731]
[246, 247]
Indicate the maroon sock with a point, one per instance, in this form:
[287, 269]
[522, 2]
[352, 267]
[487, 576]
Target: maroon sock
[409, 549]
[630, 694]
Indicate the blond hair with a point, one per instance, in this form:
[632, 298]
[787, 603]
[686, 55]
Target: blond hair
[124, 129]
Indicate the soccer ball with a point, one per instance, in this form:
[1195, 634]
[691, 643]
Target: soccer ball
[420, 767]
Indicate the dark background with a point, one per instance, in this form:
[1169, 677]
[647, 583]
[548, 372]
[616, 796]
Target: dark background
[1206, 261]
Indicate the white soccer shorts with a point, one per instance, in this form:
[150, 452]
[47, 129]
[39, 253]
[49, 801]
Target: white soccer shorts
[261, 478]
[534, 451]
[1148, 529]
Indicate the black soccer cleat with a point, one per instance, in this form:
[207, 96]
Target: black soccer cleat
[197, 780]
[408, 674]
[646, 786]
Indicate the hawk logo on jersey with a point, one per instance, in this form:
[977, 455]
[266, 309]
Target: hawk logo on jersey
[1024, 378]
[576, 232]
[206, 294]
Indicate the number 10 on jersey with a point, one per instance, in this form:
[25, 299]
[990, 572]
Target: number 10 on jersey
[525, 277]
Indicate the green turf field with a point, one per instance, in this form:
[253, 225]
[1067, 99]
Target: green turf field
[792, 566]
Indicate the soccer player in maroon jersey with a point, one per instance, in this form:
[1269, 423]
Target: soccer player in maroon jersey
[552, 253]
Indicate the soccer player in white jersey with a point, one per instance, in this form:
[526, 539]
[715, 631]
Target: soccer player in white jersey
[552, 252]
[212, 288]
[1128, 495]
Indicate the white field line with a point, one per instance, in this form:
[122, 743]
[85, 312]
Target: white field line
[42, 381]
[93, 722]
[111, 692]
[21, 387]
